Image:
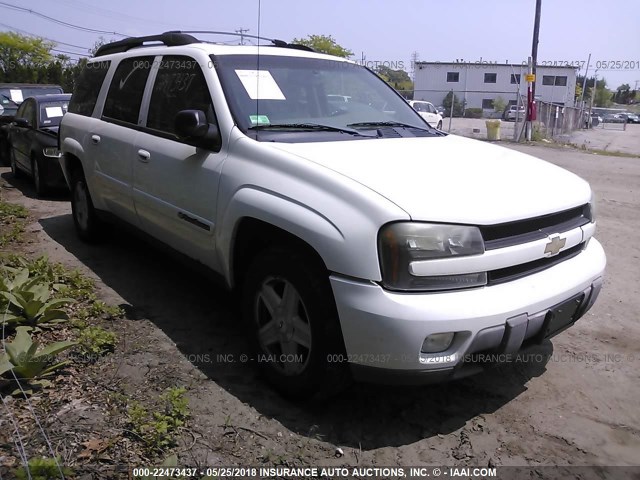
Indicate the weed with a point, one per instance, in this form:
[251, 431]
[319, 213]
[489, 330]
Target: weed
[96, 341]
[43, 469]
[12, 222]
[157, 430]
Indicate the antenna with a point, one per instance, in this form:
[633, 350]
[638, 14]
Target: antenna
[258, 71]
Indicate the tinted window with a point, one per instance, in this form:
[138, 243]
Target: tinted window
[515, 78]
[125, 93]
[179, 85]
[87, 88]
[51, 113]
[548, 79]
[487, 103]
[490, 77]
[561, 81]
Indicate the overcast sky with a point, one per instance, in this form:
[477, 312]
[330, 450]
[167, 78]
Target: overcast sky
[380, 30]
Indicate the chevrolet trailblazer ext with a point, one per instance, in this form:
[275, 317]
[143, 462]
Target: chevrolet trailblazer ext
[366, 243]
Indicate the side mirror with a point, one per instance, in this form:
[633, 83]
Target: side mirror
[192, 127]
[22, 122]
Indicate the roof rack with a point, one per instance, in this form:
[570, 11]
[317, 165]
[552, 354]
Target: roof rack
[274, 41]
[176, 38]
[170, 39]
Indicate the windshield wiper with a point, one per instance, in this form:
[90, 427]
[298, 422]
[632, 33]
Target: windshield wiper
[384, 124]
[306, 126]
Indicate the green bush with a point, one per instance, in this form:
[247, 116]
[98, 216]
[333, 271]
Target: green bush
[473, 113]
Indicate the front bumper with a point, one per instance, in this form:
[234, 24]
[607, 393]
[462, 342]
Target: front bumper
[52, 172]
[383, 331]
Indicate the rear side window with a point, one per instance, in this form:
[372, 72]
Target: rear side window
[126, 90]
[180, 85]
[88, 87]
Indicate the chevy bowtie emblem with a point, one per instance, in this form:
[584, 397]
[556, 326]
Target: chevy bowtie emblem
[555, 245]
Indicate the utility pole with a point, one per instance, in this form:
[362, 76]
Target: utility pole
[242, 31]
[534, 46]
[531, 91]
[414, 60]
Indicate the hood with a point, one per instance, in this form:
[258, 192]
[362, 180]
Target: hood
[451, 178]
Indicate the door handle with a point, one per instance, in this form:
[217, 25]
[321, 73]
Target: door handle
[95, 139]
[144, 156]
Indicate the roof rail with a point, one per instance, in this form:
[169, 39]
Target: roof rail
[170, 39]
[177, 37]
[275, 42]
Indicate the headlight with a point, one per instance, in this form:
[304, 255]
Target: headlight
[592, 208]
[401, 244]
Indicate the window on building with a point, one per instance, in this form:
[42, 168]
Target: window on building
[487, 103]
[515, 78]
[453, 77]
[561, 81]
[490, 77]
[548, 80]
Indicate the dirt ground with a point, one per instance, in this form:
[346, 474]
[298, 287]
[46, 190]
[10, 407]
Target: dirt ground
[574, 404]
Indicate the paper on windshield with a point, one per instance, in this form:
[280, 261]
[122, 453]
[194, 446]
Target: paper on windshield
[16, 95]
[260, 85]
[54, 111]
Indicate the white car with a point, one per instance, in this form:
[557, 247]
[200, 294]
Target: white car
[365, 243]
[428, 112]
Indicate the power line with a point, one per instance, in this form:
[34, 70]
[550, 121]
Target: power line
[59, 22]
[40, 36]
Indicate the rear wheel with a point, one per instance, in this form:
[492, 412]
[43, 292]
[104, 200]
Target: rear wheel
[293, 325]
[84, 215]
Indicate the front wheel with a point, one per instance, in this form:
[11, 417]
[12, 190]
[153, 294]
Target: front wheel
[293, 325]
[84, 215]
[38, 181]
[16, 172]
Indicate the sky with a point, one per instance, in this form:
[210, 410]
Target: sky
[383, 31]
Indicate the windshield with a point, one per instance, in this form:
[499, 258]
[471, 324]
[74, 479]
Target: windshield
[51, 113]
[296, 93]
[12, 97]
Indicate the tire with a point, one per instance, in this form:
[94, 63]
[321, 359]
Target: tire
[38, 181]
[88, 226]
[15, 170]
[293, 325]
[439, 127]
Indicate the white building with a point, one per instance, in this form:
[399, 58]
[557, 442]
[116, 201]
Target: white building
[479, 84]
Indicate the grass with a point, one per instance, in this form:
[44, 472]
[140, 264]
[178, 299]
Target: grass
[12, 222]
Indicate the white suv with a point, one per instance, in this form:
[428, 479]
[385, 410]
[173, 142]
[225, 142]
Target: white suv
[428, 112]
[365, 243]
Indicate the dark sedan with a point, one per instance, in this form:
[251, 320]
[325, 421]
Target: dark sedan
[33, 140]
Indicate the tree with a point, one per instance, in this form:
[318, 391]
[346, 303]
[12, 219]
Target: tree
[324, 44]
[398, 79]
[499, 104]
[623, 94]
[602, 97]
[23, 58]
[457, 106]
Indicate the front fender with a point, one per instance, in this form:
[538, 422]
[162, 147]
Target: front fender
[311, 226]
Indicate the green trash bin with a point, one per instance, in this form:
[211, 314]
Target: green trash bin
[493, 129]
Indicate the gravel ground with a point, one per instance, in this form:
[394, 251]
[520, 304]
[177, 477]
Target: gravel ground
[576, 403]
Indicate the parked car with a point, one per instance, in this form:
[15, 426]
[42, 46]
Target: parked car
[428, 112]
[11, 96]
[614, 118]
[631, 117]
[33, 140]
[513, 112]
[366, 245]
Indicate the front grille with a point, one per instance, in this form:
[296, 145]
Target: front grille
[524, 231]
[507, 274]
